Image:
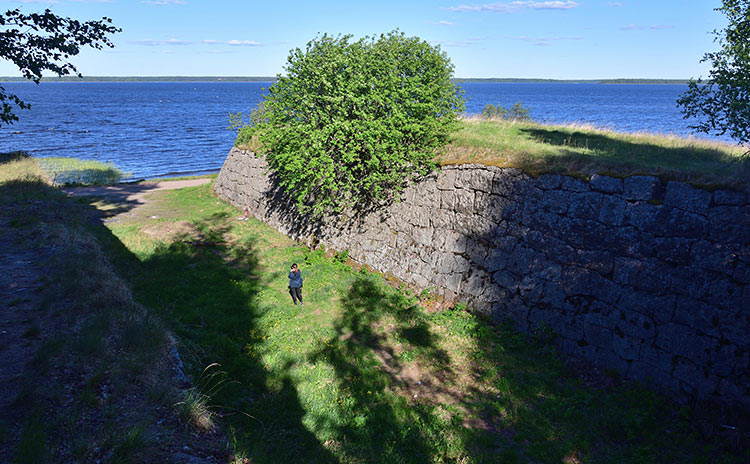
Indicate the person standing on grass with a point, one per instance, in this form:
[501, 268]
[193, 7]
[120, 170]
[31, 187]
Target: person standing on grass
[295, 284]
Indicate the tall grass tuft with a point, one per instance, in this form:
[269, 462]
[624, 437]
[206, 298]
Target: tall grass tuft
[72, 171]
[195, 408]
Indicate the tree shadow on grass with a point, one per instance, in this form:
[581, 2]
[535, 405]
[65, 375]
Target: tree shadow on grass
[700, 160]
[389, 409]
[206, 291]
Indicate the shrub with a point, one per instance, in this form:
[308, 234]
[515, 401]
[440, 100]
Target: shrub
[351, 121]
[516, 112]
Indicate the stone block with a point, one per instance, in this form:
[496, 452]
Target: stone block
[729, 224]
[626, 347]
[729, 197]
[724, 293]
[545, 269]
[507, 185]
[571, 184]
[423, 235]
[450, 241]
[520, 262]
[507, 280]
[718, 257]
[627, 271]
[606, 184]
[549, 181]
[597, 335]
[670, 337]
[641, 215]
[555, 201]
[674, 250]
[674, 222]
[600, 261]
[660, 309]
[478, 178]
[447, 200]
[612, 211]
[464, 201]
[477, 252]
[585, 205]
[637, 325]
[685, 197]
[659, 361]
[575, 280]
[553, 295]
[531, 288]
[640, 188]
[723, 360]
[589, 235]
[446, 180]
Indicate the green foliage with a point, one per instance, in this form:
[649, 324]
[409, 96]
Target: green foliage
[39, 42]
[246, 128]
[722, 103]
[517, 112]
[351, 121]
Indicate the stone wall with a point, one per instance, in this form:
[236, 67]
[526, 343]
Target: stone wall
[650, 280]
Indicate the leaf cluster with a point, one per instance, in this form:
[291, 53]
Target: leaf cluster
[39, 42]
[352, 120]
[722, 103]
[516, 112]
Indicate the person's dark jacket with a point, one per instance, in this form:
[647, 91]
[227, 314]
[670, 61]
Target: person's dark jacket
[295, 279]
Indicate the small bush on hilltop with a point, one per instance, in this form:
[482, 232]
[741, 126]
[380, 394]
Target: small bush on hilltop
[351, 121]
[517, 112]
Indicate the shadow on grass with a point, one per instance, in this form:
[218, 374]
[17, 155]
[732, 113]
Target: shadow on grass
[379, 418]
[204, 293]
[705, 161]
[13, 156]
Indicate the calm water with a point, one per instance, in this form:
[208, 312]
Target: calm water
[166, 128]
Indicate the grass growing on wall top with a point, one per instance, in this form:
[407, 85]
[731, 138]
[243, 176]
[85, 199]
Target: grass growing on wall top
[582, 150]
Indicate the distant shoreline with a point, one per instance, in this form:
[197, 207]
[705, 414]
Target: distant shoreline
[459, 80]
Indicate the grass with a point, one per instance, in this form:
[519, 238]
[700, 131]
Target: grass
[362, 372]
[19, 165]
[581, 150]
[93, 351]
[73, 171]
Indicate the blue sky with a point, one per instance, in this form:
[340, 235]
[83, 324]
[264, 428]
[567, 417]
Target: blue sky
[562, 39]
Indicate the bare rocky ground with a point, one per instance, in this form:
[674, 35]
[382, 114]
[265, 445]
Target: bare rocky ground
[28, 325]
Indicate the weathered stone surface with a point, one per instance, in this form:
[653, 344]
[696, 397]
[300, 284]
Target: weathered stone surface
[549, 181]
[606, 184]
[640, 187]
[729, 197]
[648, 280]
[612, 211]
[683, 196]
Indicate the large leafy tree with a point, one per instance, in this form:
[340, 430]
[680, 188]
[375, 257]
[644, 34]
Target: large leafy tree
[352, 120]
[722, 103]
[39, 42]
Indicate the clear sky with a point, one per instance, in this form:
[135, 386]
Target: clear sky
[560, 39]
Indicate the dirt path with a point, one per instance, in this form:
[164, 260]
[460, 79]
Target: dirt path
[20, 282]
[133, 193]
